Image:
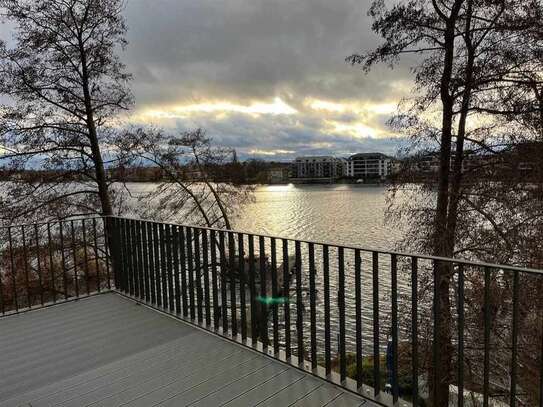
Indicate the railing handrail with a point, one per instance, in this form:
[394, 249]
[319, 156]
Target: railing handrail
[348, 246]
[54, 221]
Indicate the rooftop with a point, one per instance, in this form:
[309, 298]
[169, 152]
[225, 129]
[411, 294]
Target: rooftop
[108, 350]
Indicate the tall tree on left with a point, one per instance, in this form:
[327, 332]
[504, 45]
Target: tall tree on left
[62, 86]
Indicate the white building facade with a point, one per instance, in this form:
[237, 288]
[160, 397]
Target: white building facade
[369, 165]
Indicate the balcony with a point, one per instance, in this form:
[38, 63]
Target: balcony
[160, 314]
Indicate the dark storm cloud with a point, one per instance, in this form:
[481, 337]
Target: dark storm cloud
[246, 52]
[250, 49]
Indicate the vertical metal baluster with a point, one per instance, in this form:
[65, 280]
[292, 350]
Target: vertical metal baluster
[376, 356]
[123, 274]
[275, 296]
[205, 271]
[132, 280]
[107, 246]
[242, 299]
[394, 284]
[263, 295]
[183, 259]
[151, 257]
[232, 278]
[25, 268]
[156, 257]
[414, 330]
[129, 251]
[144, 260]
[138, 292]
[63, 261]
[254, 328]
[169, 260]
[486, 375]
[113, 240]
[198, 274]
[145, 254]
[123, 269]
[434, 333]
[299, 304]
[191, 274]
[51, 264]
[514, 344]
[85, 256]
[313, 310]
[286, 294]
[460, 335]
[341, 306]
[110, 238]
[326, 282]
[541, 359]
[216, 309]
[38, 269]
[134, 256]
[163, 265]
[2, 307]
[358, 316]
[96, 260]
[74, 258]
[176, 273]
[13, 272]
[141, 267]
[132, 248]
[224, 300]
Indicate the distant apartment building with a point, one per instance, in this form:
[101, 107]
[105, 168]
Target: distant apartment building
[318, 168]
[369, 165]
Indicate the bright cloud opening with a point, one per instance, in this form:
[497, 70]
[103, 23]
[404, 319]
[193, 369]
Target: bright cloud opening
[277, 107]
[362, 108]
[270, 152]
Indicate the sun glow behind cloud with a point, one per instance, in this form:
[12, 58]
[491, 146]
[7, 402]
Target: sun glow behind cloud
[277, 107]
[362, 108]
[270, 153]
[282, 126]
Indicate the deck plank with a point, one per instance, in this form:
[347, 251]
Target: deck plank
[293, 393]
[108, 351]
[319, 397]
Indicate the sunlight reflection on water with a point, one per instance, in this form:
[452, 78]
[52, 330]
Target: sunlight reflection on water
[343, 214]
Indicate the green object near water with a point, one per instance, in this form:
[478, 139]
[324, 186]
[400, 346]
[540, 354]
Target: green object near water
[272, 300]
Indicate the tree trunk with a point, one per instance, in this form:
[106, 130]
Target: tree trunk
[440, 372]
[101, 180]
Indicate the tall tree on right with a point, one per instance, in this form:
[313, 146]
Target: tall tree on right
[477, 70]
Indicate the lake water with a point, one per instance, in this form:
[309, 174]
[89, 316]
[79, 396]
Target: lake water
[338, 214]
[342, 214]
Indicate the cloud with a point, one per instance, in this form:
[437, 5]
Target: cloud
[235, 50]
[267, 77]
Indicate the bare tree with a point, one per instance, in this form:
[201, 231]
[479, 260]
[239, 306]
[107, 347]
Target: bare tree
[466, 72]
[64, 85]
[201, 181]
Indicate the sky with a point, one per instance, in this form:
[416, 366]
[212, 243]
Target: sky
[267, 77]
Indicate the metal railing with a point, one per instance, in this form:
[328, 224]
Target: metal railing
[363, 318]
[47, 263]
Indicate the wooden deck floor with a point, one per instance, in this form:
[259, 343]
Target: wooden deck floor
[108, 351]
